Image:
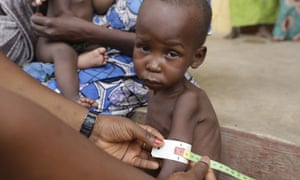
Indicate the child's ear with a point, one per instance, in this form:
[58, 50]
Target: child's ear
[199, 57]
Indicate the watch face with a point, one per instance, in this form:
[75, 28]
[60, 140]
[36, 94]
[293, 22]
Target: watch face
[88, 123]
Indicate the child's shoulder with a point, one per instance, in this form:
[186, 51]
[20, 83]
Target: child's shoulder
[194, 97]
[194, 91]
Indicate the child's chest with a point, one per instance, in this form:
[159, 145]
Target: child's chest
[160, 114]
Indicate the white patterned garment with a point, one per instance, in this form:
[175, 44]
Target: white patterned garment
[16, 36]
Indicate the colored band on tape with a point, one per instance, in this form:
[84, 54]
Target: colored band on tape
[217, 166]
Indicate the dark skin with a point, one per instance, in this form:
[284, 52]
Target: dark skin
[177, 108]
[64, 56]
[75, 29]
[111, 133]
[42, 140]
[66, 154]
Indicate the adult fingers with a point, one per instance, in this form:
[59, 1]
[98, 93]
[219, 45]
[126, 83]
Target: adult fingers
[145, 161]
[156, 133]
[149, 135]
[37, 24]
[39, 20]
[200, 169]
[42, 25]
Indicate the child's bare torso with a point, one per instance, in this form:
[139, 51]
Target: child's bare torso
[79, 8]
[162, 107]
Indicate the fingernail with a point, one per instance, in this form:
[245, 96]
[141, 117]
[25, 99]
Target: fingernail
[158, 142]
[205, 159]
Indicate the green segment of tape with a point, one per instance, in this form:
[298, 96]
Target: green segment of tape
[217, 166]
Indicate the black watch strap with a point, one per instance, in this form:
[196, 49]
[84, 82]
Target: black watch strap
[88, 123]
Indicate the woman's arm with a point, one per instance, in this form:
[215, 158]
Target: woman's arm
[110, 132]
[35, 144]
[74, 29]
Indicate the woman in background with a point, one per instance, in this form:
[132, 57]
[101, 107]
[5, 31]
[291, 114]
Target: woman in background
[251, 13]
[287, 26]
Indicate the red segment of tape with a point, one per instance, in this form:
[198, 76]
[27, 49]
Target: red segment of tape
[179, 151]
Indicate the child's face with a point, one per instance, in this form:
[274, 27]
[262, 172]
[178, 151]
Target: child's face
[165, 46]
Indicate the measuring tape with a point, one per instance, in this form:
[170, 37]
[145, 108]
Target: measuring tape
[178, 151]
[217, 166]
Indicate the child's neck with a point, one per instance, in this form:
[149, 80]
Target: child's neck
[170, 92]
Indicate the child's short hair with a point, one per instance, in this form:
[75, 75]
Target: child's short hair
[205, 7]
[205, 15]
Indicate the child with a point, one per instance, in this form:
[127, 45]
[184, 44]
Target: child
[64, 56]
[169, 39]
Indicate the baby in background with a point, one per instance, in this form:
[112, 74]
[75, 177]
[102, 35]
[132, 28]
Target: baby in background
[64, 55]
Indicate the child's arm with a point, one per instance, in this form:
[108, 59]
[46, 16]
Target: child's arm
[207, 136]
[182, 127]
[194, 122]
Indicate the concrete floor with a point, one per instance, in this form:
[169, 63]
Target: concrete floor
[254, 85]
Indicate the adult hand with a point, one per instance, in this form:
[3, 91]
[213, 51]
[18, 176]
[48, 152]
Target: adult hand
[67, 28]
[125, 139]
[200, 171]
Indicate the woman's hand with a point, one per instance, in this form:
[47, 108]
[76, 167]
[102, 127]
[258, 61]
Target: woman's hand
[125, 139]
[74, 29]
[199, 171]
[68, 28]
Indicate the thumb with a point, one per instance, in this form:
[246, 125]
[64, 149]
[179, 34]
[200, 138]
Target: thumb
[200, 169]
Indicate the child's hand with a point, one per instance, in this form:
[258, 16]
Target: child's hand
[35, 3]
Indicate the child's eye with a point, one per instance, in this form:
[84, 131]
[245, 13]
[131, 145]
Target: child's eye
[173, 54]
[145, 48]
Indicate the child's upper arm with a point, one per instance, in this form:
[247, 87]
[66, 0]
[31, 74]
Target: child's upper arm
[206, 135]
[194, 121]
[183, 120]
[181, 130]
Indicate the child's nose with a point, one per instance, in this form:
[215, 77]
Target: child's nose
[153, 66]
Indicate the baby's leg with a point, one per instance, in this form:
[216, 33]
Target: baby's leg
[96, 57]
[65, 63]
[64, 58]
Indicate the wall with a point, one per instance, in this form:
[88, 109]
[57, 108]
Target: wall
[221, 18]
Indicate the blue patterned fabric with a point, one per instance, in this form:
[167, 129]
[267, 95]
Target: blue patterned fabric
[122, 15]
[114, 86]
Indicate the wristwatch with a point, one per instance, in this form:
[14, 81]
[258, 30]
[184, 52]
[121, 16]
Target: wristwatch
[88, 123]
